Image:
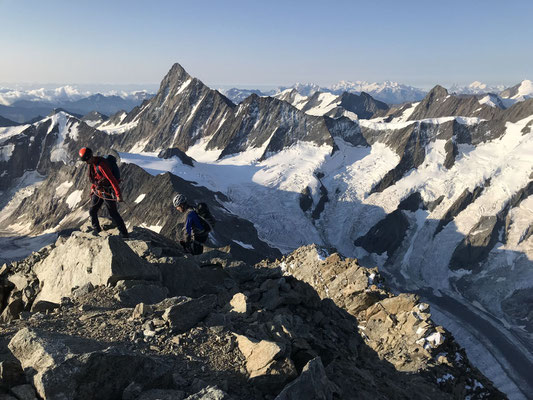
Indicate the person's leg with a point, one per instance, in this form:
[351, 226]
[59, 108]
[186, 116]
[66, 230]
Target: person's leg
[186, 246]
[197, 248]
[96, 203]
[113, 213]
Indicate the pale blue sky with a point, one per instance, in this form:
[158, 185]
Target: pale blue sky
[252, 43]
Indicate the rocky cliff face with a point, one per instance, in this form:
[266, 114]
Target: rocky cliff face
[186, 113]
[155, 324]
[183, 111]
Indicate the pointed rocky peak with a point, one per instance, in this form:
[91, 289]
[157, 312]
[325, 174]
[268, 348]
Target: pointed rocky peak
[176, 74]
[437, 92]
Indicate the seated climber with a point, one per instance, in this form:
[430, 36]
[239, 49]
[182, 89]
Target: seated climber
[196, 229]
[104, 188]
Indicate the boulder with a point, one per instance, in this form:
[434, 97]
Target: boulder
[84, 259]
[83, 290]
[142, 293]
[43, 306]
[141, 310]
[259, 354]
[188, 312]
[186, 278]
[12, 311]
[209, 393]
[312, 383]
[64, 367]
[239, 304]
[11, 374]
[24, 392]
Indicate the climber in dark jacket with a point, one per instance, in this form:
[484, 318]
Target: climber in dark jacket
[104, 188]
[195, 233]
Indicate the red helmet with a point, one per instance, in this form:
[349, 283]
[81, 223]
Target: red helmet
[85, 153]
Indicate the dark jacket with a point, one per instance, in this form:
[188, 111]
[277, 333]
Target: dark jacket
[194, 228]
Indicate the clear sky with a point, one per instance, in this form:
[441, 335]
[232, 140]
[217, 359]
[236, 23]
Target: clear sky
[268, 42]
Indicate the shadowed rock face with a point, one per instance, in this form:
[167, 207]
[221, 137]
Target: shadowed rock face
[476, 246]
[174, 152]
[247, 331]
[387, 235]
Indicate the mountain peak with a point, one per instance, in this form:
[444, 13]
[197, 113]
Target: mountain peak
[176, 74]
[437, 91]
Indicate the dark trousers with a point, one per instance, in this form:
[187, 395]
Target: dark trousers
[96, 203]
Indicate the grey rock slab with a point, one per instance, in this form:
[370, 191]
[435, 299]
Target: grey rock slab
[24, 392]
[83, 259]
[63, 367]
[186, 278]
[11, 374]
[148, 294]
[312, 383]
[186, 314]
[43, 306]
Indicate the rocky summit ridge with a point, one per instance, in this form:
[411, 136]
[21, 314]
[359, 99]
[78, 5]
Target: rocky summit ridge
[99, 317]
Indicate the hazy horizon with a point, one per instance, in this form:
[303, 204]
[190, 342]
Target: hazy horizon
[154, 87]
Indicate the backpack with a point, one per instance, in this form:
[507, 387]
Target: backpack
[113, 166]
[205, 216]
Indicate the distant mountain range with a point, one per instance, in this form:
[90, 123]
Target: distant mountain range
[388, 92]
[23, 106]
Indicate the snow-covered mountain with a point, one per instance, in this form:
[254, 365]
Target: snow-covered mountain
[439, 196]
[387, 92]
[520, 92]
[347, 104]
[476, 87]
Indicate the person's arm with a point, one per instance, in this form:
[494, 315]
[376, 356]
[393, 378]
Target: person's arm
[188, 228]
[91, 178]
[111, 178]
